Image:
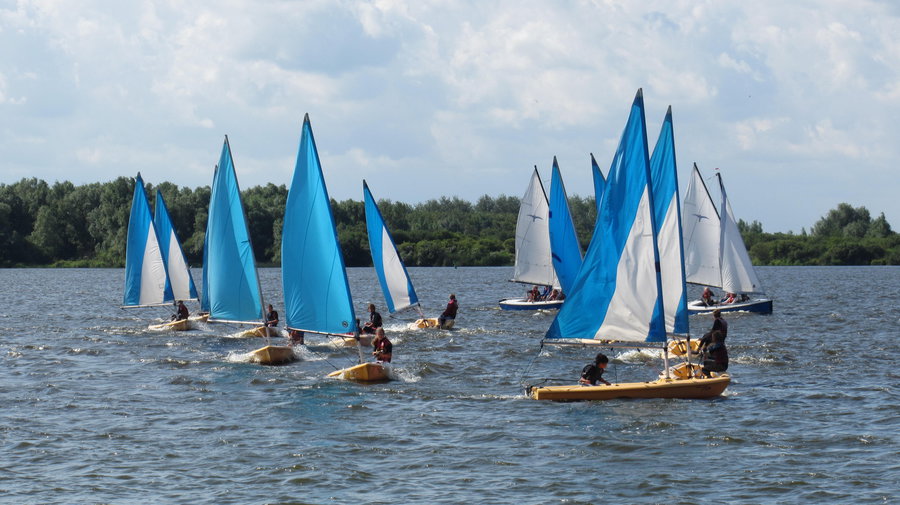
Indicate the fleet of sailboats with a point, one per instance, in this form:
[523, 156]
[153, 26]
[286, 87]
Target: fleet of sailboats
[628, 290]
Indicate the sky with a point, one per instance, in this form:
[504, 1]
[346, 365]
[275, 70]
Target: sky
[796, 103]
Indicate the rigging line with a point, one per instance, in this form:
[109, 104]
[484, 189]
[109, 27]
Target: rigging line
[322, 356]
[528, 368]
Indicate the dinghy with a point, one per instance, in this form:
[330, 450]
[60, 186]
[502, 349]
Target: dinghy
[146, 281]
[317, 296]
[715, 254]
[621, 292]
[234, 292]
[534, 263]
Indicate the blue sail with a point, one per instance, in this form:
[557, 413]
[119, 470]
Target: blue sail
[204, 281]
[667, 214]
[395, 282]
[183, 287]
[146, 281]
[599, 183]
[564, 247]
[234, 293]
[316, 292]
[616, 293]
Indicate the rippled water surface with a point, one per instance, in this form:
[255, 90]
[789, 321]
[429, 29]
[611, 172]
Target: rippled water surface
[95, 408]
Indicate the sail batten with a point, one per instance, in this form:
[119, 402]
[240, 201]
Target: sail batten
[146, 280]
[396, 285]
[534, 264]
[616, 296]
[564, 246]
[316, 290]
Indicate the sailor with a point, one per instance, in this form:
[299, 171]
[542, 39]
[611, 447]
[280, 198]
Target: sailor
[716, 355]
[720, 325]
[592, 373]
[450, 311]
[271, 317]
[383, 347]
[182, 312]
[374, 321]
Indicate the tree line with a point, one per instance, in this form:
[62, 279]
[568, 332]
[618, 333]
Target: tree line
[87, 226]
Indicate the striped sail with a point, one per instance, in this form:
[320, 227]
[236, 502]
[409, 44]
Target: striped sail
[534, 264]
[738, 274]
[234, 293]
[702, 234]
[564, 247]
[316, 291]
[599, 183]
[616, 295]
[398, 290]
[146, 281]
[183, 287]
[667, 213]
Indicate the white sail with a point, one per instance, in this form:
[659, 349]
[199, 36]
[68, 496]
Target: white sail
[701, 234]
[534, 264]
[738, 275]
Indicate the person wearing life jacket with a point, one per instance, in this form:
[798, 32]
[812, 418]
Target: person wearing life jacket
[592, 373]
[715, 356]
[708, 298]
[720, 325]
[384, 349]
[450, 311]
[374, 321]
[182, 312]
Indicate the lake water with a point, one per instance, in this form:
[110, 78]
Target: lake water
[94, 408]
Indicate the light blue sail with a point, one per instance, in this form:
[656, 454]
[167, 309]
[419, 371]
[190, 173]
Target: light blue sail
[599, 183]
[396, 285]
[146, 281]
[564, 247]
[204, 281]
[667, 214]
[234, 294]
[616, 293]
[183, 287]
[316, 292]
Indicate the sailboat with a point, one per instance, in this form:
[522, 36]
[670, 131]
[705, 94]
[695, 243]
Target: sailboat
[398, 290]
[715, 254]
[564, 247]
[619, 294]
[183, 287]
[146, 281]
[317, 296]
[234, 292]
[534, 263]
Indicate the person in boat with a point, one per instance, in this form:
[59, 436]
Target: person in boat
[545, 293]
[296, 336]
[560, 296]
[450, 311]
[715, 357]
[708, 298]
[719, 325]
[384, 349]
[374, 321]
[181, 312]
[744, 297]
[271, 317]
[592, 373]
[533, 295]
[728, 298]
[554, 295]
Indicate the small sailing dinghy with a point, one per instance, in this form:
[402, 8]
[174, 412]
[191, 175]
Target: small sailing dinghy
[234, 292]
[146, 280]
[715, 254]
[317, 296]
[183, 287]
[620, 293]
[534, 263]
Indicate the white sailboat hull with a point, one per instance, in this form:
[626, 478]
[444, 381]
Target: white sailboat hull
[757, 306]
[524, 304]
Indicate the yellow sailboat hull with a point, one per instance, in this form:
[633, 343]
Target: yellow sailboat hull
[273, 355]
[432, 322]
[364, 372]
[180, 325]
[259, 331]
[692, 388]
